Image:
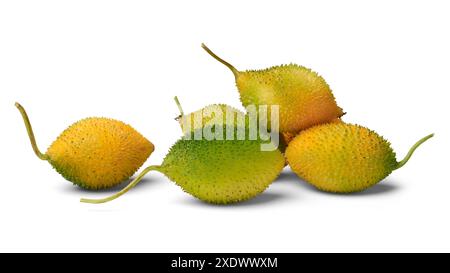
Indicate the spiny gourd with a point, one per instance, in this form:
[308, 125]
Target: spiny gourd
[94, 153]
[229, 116]
[207, 116]
[343, 158]
[216, 171]
[304, 98]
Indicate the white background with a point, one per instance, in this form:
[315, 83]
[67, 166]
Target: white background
[387, 62]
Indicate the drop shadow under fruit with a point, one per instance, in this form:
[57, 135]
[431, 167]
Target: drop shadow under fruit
[288, 176]
[260, 200]
[382, 188]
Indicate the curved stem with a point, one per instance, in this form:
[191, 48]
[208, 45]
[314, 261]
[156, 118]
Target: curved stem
[124, 190]
[26, 120]
[227, 64]
[179, 106]
[411, 151]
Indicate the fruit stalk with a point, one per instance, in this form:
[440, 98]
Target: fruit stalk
[124, 190]
[227, 64]
[411, 151]
[179, 106]
[26, 120]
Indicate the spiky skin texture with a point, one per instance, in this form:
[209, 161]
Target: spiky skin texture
[208, 114]
[304, 98]
[97, 153]
[222, 171]
[341, 158]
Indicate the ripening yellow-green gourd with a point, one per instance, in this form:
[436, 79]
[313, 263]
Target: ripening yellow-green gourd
[303, 96]
[343, 158]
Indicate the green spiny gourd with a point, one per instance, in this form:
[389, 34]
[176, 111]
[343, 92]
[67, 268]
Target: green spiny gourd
[216, 171]
[303, 97]
[343, 158]
[94, 153]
